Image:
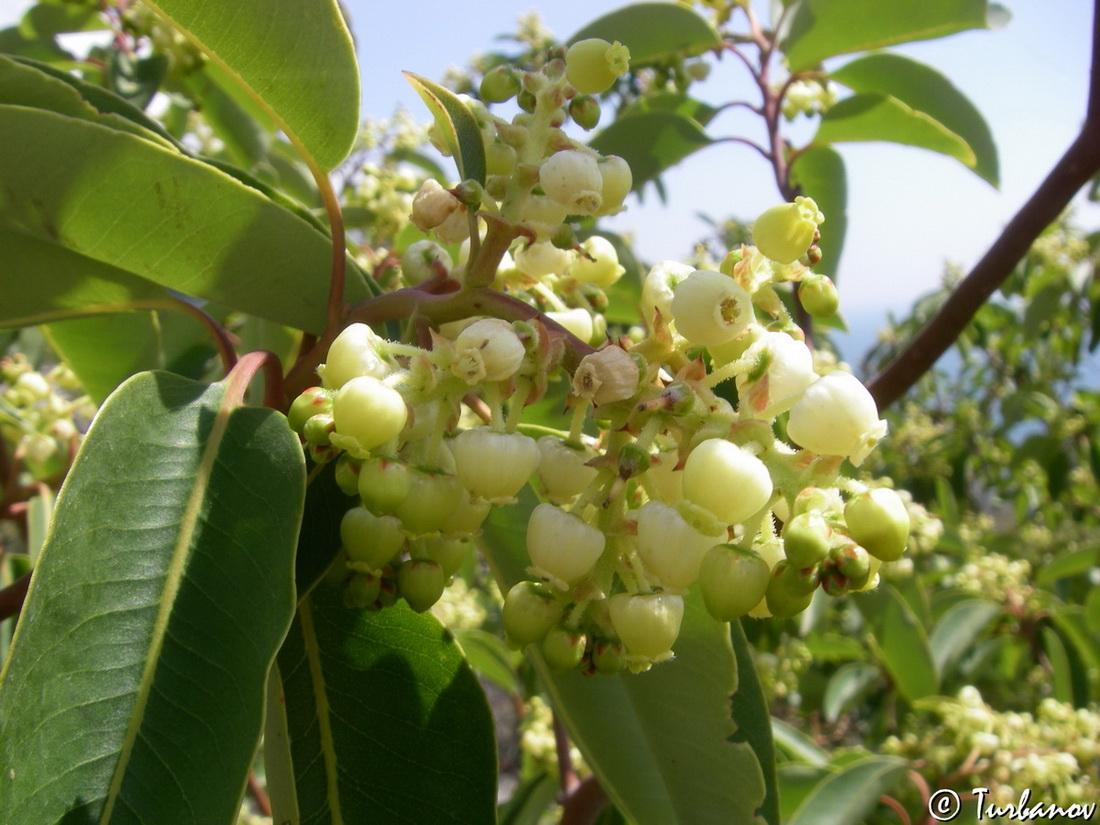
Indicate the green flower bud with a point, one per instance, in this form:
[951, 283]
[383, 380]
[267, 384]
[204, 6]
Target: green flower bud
[421, 260]
[732, 581]
[499, 85]
[383, 484]
[608, 656]
[433, 498]
[806, 539]
[879, 520]
[585, 111]
[529, 612]
[311, 402]
[367, 413]
[347, 474]
[362, 590]
[563, 648]
[647, 625]
[787, 594]
[318, 430]
[370, 540]
[451, 553]
[355, 352]
[593, 65]
[784, 233]
[818, 296]
[421, 583]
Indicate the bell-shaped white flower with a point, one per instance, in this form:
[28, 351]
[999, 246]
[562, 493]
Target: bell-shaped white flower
[494, 466]
[726, 480]
[487, 350]
[563, 470]
[783, 369]
[672, 549]
[572, 178]
[836, 415]
[658, 289]
[599, 265]
[710, 308]
[562, 547]
[648, 626]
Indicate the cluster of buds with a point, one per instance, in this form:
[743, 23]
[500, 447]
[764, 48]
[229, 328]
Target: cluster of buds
[42, 415]
[808, 97]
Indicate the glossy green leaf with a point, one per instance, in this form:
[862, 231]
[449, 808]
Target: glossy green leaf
[848, 685]
[797, 745]
[457, 124]
[157, 606]
[1061, 668]
[64, 282]
[651, 142]
[925, 90]
[796, 782]
[489, 657]
[826, 28]
[850, 794]
[659, 761]
[819, 173]
[955, 632]
[654, 31]
[832, 647]
[120, 200]
[385, 722]
[1072, 625]
[106, 350]
[39, 513]
[294, 57]
[899, 641]
[873, 116]
[246, 138]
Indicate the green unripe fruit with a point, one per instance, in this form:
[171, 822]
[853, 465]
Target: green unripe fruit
[529, 611]
[818, 296]
[450, 553]
[347, 474]
[311, 402]
[784, 232]
[879, 521]
[786, 596]
[593, 65]
[732, 581]
[383, 483]
[848, 568]
[563, 648]
[499, 85]
[806, 539]
[421, 583]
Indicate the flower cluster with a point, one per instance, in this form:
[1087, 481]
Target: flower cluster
[706, 454]
[42, 415]
[1053, 752]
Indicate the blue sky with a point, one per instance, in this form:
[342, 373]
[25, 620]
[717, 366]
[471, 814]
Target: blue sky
[910, 211]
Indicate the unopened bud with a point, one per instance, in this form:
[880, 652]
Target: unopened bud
[606, 376]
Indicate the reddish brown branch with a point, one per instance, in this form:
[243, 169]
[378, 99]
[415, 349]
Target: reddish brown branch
[1075, 168]
[584, 804]
[258, 794]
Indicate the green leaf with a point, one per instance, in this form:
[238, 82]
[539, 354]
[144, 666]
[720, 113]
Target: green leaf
[106, 350]
[120, 200]
[796, 782]
[1076, 562]
[849, 795]
[925, 90]
[654, 31]
[294, 57]
[385, 721]
[1061, 669]
[875, 116]
[819, 173]
[702, 113]
[13, 42]
[461, 133]
[753, 720]
[246, 139]
[489, 657]
[136, 79]
[64, 282]
[530, 801]
[832, 647]
[651, 142]
[1072, 626]
[956, 631]
[44, 20]
[797, 745]
[826, 28]
[156, 609]
[899, 641]
[659, 761]
[847, 686]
